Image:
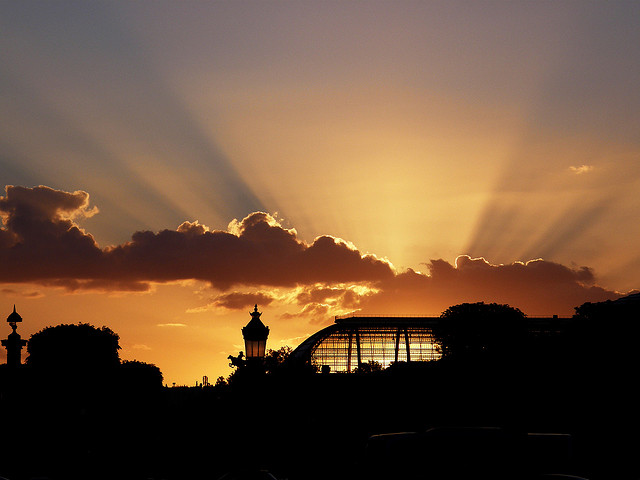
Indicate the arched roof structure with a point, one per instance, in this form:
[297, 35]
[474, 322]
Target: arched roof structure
[353, 341]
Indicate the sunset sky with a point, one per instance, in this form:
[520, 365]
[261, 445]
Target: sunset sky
[170, 164]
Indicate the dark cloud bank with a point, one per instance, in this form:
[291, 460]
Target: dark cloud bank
[41, 243]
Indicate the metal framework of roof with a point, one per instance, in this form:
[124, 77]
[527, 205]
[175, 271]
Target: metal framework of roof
[353, 341]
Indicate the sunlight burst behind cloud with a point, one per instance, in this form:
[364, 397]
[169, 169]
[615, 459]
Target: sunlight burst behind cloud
[388, 138]
[38, 245]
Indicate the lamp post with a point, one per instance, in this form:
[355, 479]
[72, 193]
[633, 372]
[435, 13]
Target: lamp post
[253, 386]
[255, 337]
[13, 342]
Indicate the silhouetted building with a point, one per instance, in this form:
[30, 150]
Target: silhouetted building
[14, 342]
[353, 341]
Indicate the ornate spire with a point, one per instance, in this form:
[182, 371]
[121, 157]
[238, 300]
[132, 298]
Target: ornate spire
[255, 329]
[13, 316]
[13, 342]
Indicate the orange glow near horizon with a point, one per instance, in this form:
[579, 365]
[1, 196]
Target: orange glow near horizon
[188, 329]
[316, 159]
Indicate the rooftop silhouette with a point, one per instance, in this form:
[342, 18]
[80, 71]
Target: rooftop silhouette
[551, 407]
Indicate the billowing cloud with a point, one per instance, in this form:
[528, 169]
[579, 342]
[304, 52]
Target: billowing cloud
[240, 300]
[537, 287]
[40, 243]
[26, 294]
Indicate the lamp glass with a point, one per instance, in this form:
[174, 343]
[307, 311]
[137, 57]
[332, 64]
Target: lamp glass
[255, 348]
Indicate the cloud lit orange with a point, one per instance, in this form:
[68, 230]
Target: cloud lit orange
[41, 244]
[417, 154]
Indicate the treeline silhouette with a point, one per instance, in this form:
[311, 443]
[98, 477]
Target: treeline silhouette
[83, 413]
[75, 410]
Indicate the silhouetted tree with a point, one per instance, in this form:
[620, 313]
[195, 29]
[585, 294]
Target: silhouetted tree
[140, 376]
[77, 347]
[274, 362]
[275, 359]
[480, 331]
[369, 367]
[607, 332]
[603, 346]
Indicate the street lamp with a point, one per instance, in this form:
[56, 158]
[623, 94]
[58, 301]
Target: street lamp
[255, 336]
[13, 342]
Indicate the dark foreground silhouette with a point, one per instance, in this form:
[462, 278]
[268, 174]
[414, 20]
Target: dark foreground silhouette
[558, 406]
[319, 426]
